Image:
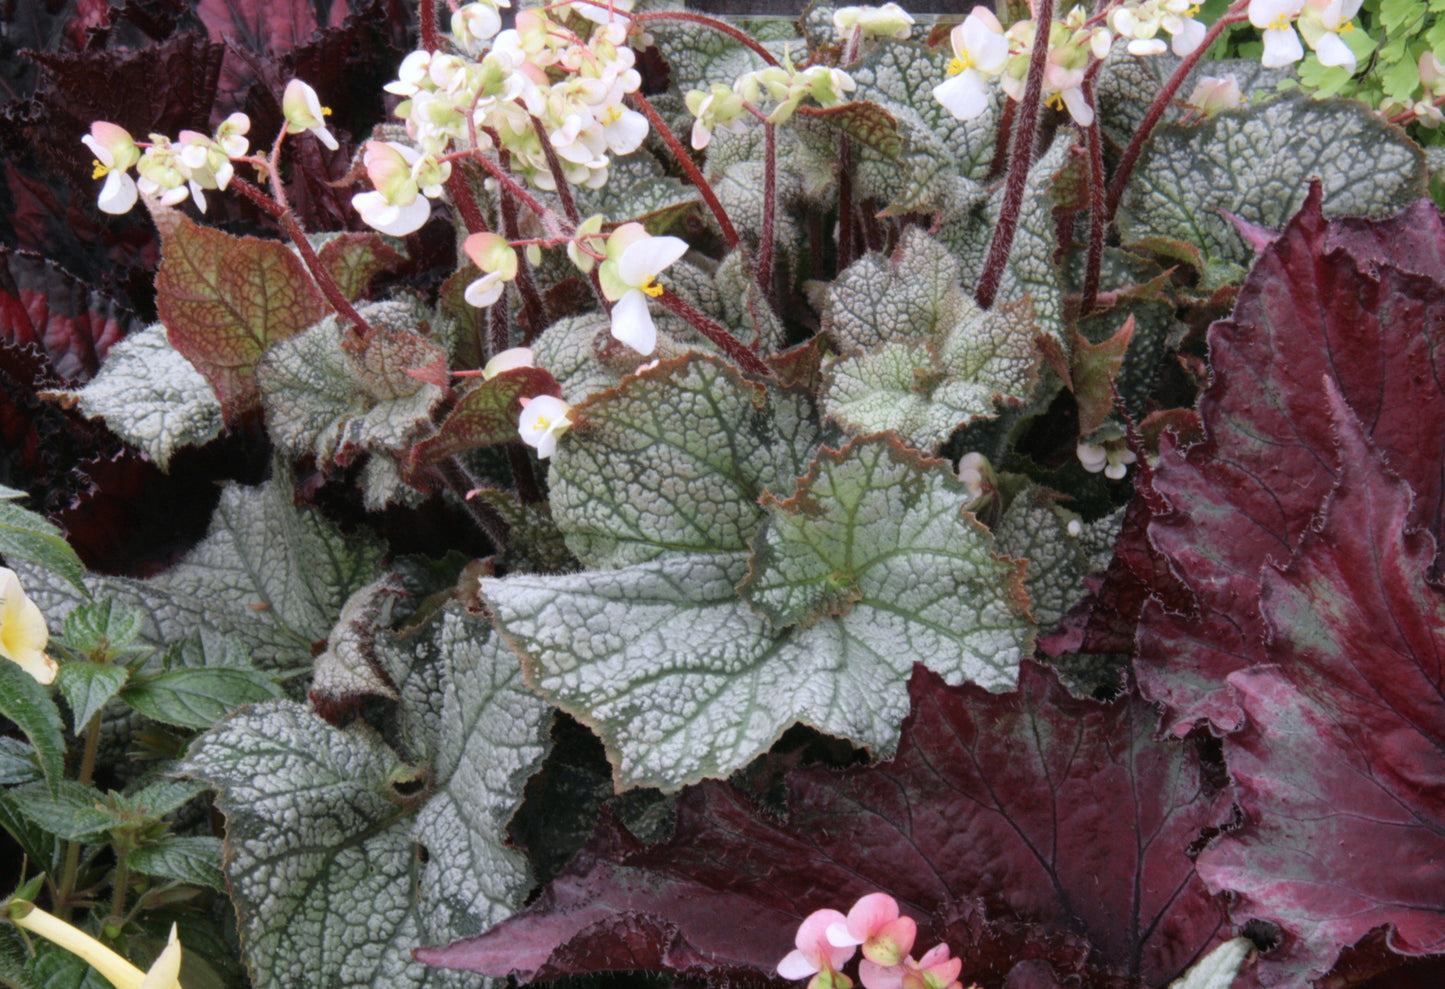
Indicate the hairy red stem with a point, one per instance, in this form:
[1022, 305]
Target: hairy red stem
[694, 174]
[718, 334]
[715, 24]
[1026, 122]
[770, 205]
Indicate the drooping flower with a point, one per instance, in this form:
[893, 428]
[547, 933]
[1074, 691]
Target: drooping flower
[23, 635]
[498, 261]
[544, 419]
[1215, 93]
[1113, 458]
[815, 956]
[304, 112]
[629, 277]
[164, 973]
[508, 360]
[875, 923]
[396, 206]
[718, 109]
[979, 52]
[115, 152]
[887, 21]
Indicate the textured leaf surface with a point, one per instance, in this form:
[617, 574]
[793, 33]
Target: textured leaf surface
[25, 535]
[1340, 765]
[354, 259]
[485, 415]
[198, 698]
[909, 294]
[325, 397]
[1062, 817]
[1035, 528]
[152, 397]
[716, 440]
[28, 704]
[1246, 495]
[1128, 84]
[270, 574]
[683, 679]
[323, 824]
[87, 686]
[1189, 173]
[188, 859]
[225, 299]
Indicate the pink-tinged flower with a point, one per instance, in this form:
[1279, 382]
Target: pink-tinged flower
[1215, 93]
[1275, 18]
[498, 261]
[935, 970]
[815, 955]
[874, 922]
[396, 206]
[508, 360]
[544, 419]
[115, 152]
[629, 278]
[304, 112]
[979, 51]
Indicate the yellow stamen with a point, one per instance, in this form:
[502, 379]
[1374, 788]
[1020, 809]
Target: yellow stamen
[1348, 26]
[651, 287]
[1056, 101]
[1280, 23]
[613, 113]
[956, 66]
[326, 111]
[100, 170]
[542, 424]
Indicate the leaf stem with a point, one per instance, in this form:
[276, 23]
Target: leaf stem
[1026, 121]
[1130, 157]
[427, 16]
[846, 235]
[718, 334]
[715, 24]
[488, 519]
[72, 848]
[694, 174]
[554, 164]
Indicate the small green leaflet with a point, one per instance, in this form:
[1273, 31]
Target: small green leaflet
[24, 535]
[197, 698]
[28, 704]
[184, 858]
[1189, 174]
[87, 686]
[152, 397]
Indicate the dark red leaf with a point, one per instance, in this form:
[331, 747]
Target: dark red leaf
[1310, 309]
[485, 415]
[1342, 764]
[73, 324]
[1060, 817]
[260, 26]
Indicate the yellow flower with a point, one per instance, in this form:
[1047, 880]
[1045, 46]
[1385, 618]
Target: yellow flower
[164, 974]
[23, 635]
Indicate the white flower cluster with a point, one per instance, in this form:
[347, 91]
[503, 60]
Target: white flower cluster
[787, 87]
[168, 171]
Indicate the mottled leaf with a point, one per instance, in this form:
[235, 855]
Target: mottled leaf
[717, 439]
[270, 574]
[683, 679]
[1189, 173]
[1339, 766]
[908, 294]
[152, 397]
[1062, 817]
[1037, 528]
[1128, 85]
[348, 670]
[225, 300]
[354, 259]
[1246, 495]
[485, 415]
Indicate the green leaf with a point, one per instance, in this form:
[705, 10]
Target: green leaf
[354, 259]
[1188, 174]
[639, 190]
[102, 629]
[24, 535]
[696, 422]
[327, 398]
[322, 823]
[698, 55]
[87, 687]
[15, 960]
[270, 574]
[197, 698]
[225, 300]
[28, 704]
[69, 810]
[942, 159]
[1030, 270]
[684, 679]
[485, 415]
[188, 859]
[159, 797]
[582, 356]
[1036, 528]
[152, 397]
[17, 762]
[961, 366]
[42, 847]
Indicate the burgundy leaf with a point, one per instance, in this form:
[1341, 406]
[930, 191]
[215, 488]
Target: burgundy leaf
[259, 26]
[1342, 765]
[73, 324]
[1310, 309]
[1060, 816]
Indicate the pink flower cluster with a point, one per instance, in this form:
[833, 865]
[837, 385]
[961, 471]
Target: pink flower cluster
[826, 941]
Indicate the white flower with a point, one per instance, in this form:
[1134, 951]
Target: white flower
[396, 207]
[304, 112]
[1112, 458]
[1321, 22]
[164, 973]
[115, 152]
[1275, 18]
[979, 51]
[628, 279]
[508, 360]
[887, 21]
[498, 261]
[544, 419]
